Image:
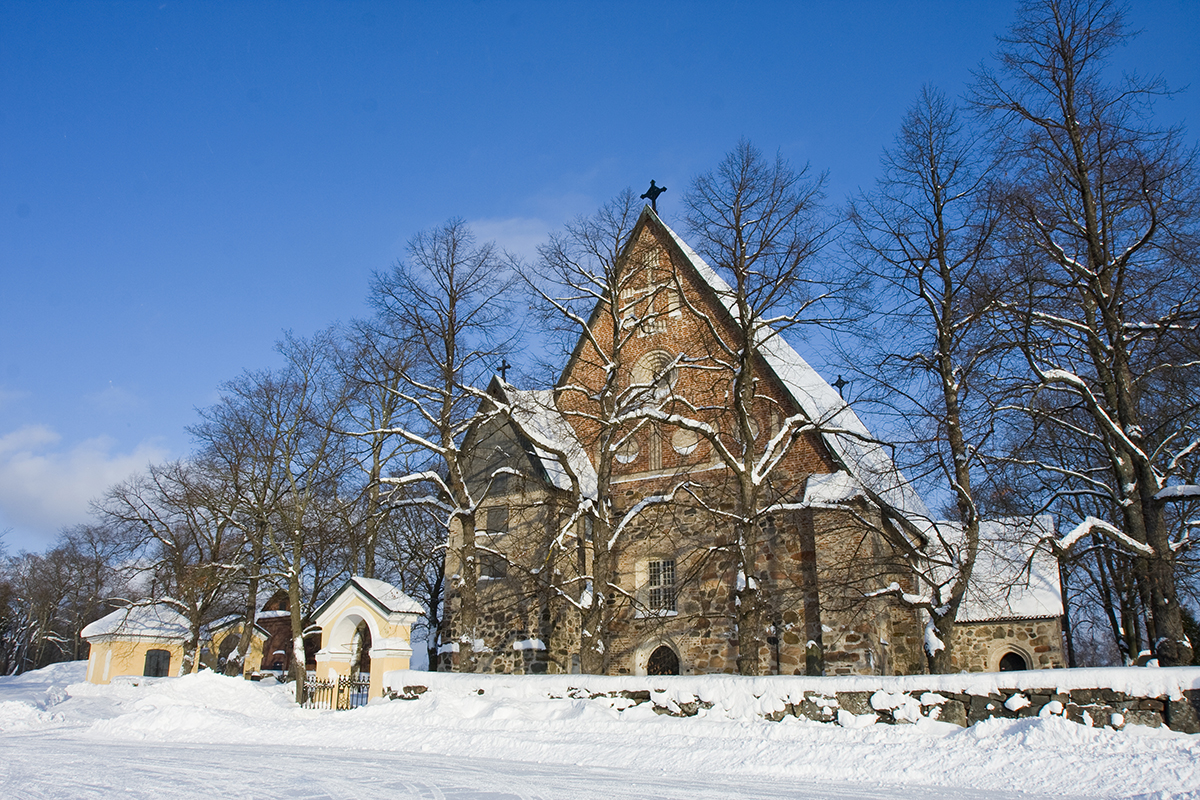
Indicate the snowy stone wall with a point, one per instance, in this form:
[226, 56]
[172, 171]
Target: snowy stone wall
[1102, 698]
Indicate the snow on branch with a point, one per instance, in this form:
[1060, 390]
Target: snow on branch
[1178, 492]
[1092, 525]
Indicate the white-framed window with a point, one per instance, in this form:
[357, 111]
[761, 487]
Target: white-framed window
[492, 566]
[660, 585]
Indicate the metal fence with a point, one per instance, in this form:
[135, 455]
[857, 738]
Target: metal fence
[338, 694]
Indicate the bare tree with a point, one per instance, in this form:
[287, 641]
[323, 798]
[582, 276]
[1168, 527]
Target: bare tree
[924, 240]
[759, 222]
[585, 278]
[372, 360]
[446, 306]
[274, 439]
[1103, 234]
[46, 599]
[189, 547]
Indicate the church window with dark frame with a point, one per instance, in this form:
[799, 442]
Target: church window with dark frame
[661, 584]
[492, 566]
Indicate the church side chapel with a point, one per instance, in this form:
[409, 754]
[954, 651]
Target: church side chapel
[795, 589]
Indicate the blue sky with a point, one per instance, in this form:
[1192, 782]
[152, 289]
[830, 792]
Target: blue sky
[182, 181]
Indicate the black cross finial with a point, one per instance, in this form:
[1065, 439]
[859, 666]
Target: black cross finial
[504, 368]
[840, 384]
[652, 195]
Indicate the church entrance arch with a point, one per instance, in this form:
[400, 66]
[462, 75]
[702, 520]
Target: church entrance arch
[663, 661]
[1013, 662]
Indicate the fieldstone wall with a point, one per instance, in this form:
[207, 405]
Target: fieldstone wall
[979, 646]
[1095, 707]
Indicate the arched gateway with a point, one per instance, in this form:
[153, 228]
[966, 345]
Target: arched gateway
[386, 613]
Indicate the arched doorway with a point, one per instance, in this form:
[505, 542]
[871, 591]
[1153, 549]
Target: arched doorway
[228, 645]
[1013, 662]
[663, 661]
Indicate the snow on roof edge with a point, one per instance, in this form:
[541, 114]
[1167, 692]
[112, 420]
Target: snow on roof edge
[845, 434]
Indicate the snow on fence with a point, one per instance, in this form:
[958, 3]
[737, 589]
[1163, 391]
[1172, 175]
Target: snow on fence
[1109, 697]
[340, 693]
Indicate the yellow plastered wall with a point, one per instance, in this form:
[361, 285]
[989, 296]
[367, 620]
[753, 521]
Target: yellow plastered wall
[390, 648]
[253, 658]
[112, 657]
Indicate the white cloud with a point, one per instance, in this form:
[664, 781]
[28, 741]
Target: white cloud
[44, 486]
[519, 235]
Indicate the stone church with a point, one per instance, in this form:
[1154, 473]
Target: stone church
[824, 551]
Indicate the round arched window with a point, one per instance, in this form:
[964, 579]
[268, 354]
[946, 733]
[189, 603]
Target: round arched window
[655, 374]
[628, 451]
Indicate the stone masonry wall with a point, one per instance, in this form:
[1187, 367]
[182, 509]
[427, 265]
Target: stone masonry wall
[979, 646]
[827, 700]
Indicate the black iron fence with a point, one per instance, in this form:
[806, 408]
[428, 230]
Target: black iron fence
[337, 694]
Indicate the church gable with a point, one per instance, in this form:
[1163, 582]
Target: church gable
[669, 355]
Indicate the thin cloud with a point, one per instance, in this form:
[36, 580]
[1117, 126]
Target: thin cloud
[10, 396]
[518, 235]
[44, 486]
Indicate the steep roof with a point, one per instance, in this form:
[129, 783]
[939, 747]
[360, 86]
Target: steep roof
[1013, 578]
[548, 432]
[156, 621]
[388, 596]
[866, 460]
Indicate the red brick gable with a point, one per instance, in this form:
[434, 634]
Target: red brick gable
[677, 317]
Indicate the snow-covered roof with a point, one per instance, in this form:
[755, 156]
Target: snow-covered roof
[388, 596]
[156, 621]
[844, 433]
[536, 414]
[831, 489]
[1013, 578]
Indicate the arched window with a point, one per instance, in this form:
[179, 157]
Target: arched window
[228, 645]
[1012, 662]
[663, 661]
[158, 664]
[654, 373]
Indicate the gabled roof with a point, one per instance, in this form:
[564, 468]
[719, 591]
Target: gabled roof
[232, 621]
[866, 460]
[385, 597]
[156, 621]
[538, 420]
[1013, 578]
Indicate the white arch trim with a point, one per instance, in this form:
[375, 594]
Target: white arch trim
[341, 634]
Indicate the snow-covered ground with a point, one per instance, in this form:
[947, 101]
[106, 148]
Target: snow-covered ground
[208, 736]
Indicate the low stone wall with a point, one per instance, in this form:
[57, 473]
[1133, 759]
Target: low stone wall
[1133, 696]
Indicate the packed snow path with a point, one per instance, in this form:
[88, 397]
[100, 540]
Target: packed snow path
[208, 736]
[53, 767]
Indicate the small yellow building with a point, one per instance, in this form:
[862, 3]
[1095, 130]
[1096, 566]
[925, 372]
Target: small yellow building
[383, 612]
[223, 637]
[138, 640]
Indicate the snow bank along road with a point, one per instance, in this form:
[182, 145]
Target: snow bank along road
[208, 736]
